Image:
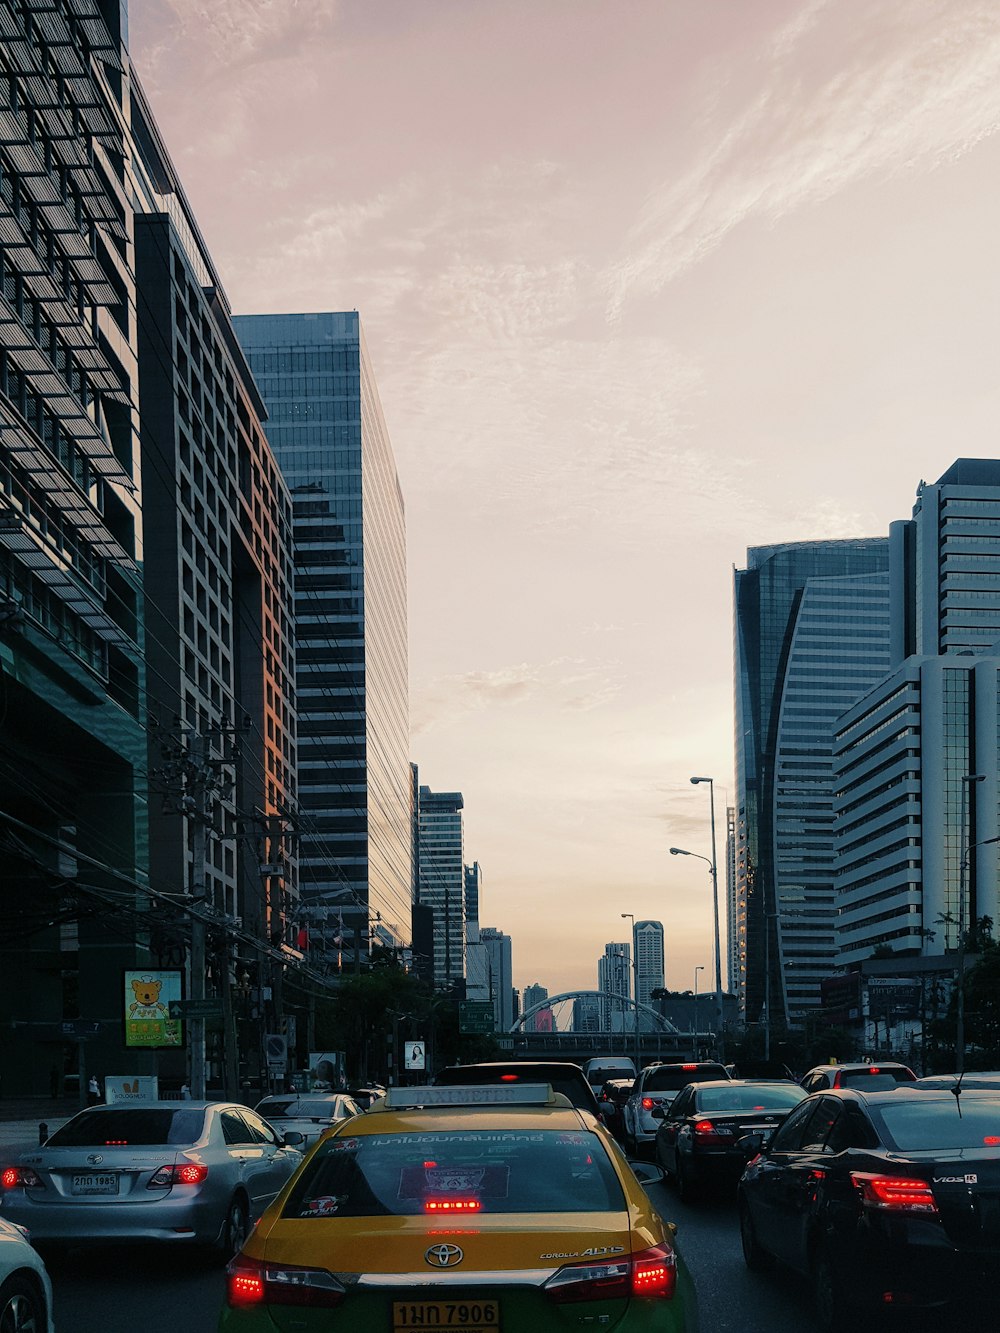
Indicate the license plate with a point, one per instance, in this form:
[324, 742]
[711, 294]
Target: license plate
[456, 1316]
[94, 1183]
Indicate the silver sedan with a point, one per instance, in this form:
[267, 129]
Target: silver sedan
[25, 1290]
[184, 1173]
[309, 1114]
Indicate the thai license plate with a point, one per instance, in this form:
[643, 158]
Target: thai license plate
[455, 1316]
[94, 1182]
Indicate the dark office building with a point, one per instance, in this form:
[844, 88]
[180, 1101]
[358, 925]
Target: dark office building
[72, 741]
[327, 431]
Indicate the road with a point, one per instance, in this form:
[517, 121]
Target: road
[116, 1291]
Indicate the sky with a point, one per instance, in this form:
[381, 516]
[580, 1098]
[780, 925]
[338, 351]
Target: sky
[644, 283]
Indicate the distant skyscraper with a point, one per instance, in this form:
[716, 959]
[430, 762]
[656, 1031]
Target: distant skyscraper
[613, 981]
[587, 1014]
[542, 1021]
[326, 428]
[648, 959]
[442, 880]
[812, 634]
[498, 968]
[477, 984]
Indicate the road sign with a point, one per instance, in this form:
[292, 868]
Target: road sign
[276, 1050]
[475, 1016]
[413, 1055]
[78, 1029]
[211, 1008]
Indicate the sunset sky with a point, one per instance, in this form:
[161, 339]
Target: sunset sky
[645, 282]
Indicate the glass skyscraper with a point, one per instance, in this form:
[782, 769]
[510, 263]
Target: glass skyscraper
[442, 882]
[811, 625]
[326, 428]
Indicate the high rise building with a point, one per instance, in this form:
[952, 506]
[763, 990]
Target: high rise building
[648, 959]
[326, 428]
[812, 634]
[499, 974]
[614, 983]
[542, 1021]
[477, 984]
[72, 631]
[587, 1013]
[735, 911]
[441, 886]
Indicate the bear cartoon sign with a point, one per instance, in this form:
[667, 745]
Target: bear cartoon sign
[147, 1008]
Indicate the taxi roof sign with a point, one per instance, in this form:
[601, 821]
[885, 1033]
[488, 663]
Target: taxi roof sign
[505, 1094]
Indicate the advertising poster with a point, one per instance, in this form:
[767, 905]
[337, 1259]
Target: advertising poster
[326, 1071]
[131, 1088]
[147, 998]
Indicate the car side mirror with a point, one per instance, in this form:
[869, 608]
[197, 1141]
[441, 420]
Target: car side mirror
[750, 1145]
[293, 1138]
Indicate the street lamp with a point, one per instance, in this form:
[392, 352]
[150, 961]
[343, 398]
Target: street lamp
[963, 889]
[699, 968]
[715, 914]
[635, 985]
[679, 851]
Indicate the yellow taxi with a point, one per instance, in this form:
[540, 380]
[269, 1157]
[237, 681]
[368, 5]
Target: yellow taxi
[466, 1209]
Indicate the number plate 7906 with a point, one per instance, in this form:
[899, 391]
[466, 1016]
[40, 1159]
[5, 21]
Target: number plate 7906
[436, 1316]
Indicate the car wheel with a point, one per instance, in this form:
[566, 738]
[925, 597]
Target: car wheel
[755, 1256]
[829, 1297]
[235, 1229]
[22, 1307]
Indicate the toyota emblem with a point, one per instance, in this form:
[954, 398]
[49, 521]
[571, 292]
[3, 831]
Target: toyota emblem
[95, 1159]
[444, 1256]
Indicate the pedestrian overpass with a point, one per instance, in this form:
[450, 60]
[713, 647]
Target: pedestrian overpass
[657, 1038]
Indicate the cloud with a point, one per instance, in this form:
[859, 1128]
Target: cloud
[848, 94]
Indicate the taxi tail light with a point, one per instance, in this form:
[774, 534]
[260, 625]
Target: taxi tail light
[181, 1173]
[894, 1193]
[252, 1282]
[23, 1177]
[707, 1129]
[650, 1273]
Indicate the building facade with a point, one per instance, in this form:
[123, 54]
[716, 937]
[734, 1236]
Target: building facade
[499, 975]
[811, 628]
[614, 981]
[648, 938]
[326, 428]
[441, 886]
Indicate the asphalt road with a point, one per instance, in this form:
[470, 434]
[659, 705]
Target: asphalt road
[119, 1291]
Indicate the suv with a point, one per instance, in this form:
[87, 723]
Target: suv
[602, 1067]
[657, 1085]
[875, 1077]
[561, 1075]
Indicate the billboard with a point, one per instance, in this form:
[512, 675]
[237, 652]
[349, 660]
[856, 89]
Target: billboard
[147, 996]
[893, 999]
[131, 1088]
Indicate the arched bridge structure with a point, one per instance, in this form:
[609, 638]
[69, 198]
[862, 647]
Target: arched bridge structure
[657, 1039]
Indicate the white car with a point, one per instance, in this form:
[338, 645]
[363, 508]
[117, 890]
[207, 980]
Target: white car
[309, 1114]
[25, 1290]
[658, 1085]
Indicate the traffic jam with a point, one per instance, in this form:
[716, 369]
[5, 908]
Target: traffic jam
[512, 1197]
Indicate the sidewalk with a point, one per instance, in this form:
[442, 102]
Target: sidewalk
[21, 1116]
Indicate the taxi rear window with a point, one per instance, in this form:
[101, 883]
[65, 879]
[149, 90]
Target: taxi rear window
[448, 1174]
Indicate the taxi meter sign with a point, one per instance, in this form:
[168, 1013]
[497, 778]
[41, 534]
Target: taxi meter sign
[413, 1055]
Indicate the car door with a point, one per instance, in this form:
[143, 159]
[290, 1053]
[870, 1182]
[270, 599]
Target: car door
[776, 1180]
[670, 1128]
[273, 1163]
[799, 1186]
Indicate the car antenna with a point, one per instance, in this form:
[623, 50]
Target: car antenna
[956, 1092]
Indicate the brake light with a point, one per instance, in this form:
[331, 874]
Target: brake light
[14, 1177]
[707, 1129]
[689, 1066]
[252, 1282]
[181, 1173]
[452, 1205]
[508, 1078]
[894, 1193]
[648, 1103]
[649, 1273]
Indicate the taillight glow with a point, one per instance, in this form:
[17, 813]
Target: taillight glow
[650, 1274]
[251, 1282]
[508, 1078]
[452, 1205]
[894, 1193]
[13, 1177]
[648, 1103]
[689, 1066]
[707, 1129]
[991, 1140]
[181, 1173]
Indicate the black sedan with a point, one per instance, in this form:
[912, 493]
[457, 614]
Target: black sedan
[885, 1200]
[698, 1139]
[611, 1099]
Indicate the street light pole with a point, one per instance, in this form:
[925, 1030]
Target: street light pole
[635, 986]
[715, 915]
[963, 876]
[699, 968]
[679, 851]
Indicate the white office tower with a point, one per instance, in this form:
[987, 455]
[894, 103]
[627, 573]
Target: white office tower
[499, 976]
[648, 959]
[613, 981]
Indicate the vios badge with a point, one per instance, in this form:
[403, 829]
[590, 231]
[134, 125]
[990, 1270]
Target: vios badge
[444, 1256]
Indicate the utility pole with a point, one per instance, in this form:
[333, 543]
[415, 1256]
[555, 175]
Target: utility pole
[196, 807]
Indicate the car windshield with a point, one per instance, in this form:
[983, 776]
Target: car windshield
[132, 1126]
[730, 1097]
[972, 1123]
[445, 1174]
[288, 1108]
[671, 1079]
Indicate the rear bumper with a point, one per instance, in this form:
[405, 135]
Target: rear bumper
[175, 1219]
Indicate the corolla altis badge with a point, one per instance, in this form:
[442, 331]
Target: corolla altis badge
[95, 1159]
[444, 1256]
